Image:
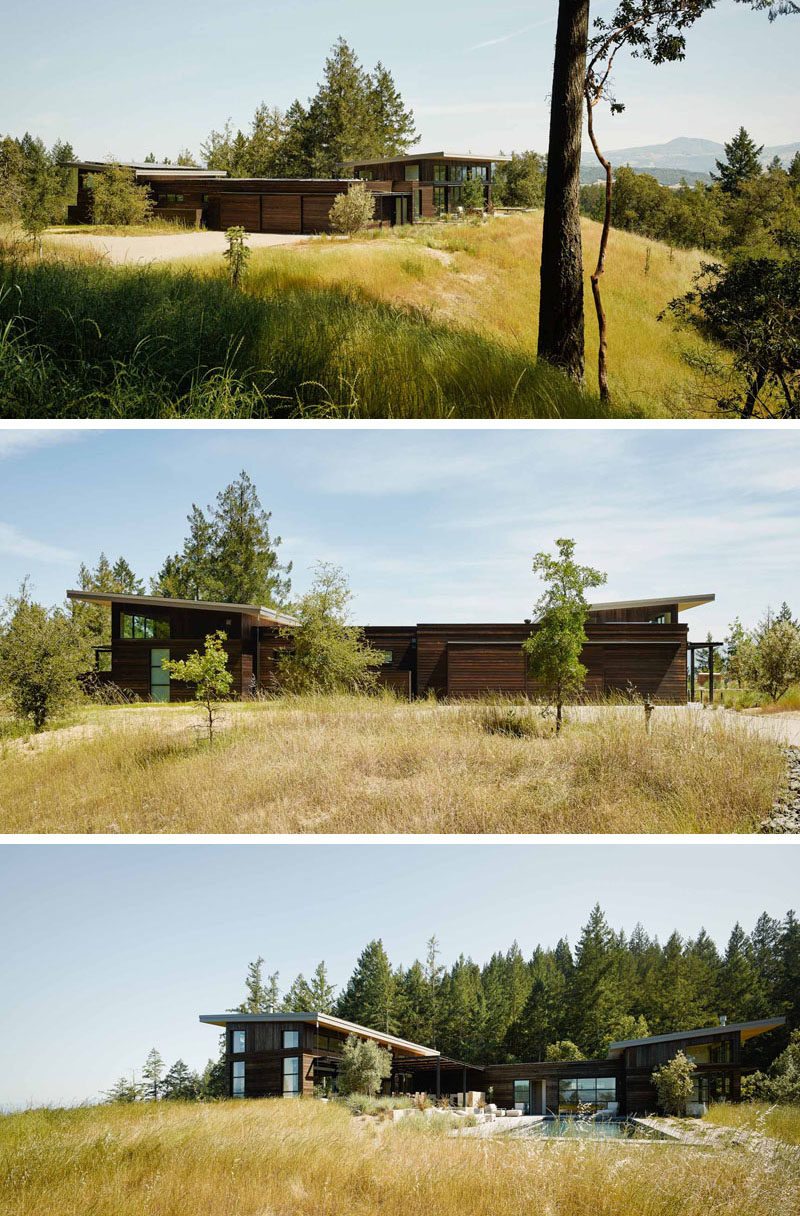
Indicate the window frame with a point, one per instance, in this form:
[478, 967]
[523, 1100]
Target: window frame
[291, 1074]
[237, 1079]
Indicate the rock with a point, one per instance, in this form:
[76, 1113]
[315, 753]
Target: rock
[785, 814]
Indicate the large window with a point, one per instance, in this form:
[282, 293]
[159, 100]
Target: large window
[238, 1079]
[291, 1077]
[291, 1038]
[440, 199]
[135, 626]
[159, 678]
[411, 173]
[238, 1041]
[522, 1096]
[586, 1091]
[712, 1087]
[711, 1053]
[440, 173]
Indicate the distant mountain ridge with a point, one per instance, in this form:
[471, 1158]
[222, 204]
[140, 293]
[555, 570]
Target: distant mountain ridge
[693, 155]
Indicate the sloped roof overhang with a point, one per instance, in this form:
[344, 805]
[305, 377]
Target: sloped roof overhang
[267, 616]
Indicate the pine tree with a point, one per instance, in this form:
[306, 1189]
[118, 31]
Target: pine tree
[94, 620]
[321, 993]
[598, 1002]
[298, 998]
[433, 982]
[229, 554]
[392, 125]
[180, 1083]
[152, 1073]
[741, 163]
[370, 994]
[737, 982]
[794, 171]
[262, 996]
[339, 114]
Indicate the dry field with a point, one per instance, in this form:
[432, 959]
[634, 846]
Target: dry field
[373, 764]
[274, 1158]
[780, 1122]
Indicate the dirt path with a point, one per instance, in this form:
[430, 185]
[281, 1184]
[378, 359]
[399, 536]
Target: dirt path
[143, 250]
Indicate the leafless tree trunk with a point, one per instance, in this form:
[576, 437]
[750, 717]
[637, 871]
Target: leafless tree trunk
[602, 367]
[561, 294]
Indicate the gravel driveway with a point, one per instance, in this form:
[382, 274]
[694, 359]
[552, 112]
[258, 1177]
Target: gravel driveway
[139, 250]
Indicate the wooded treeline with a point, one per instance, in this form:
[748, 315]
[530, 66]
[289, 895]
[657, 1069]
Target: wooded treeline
[610, 985]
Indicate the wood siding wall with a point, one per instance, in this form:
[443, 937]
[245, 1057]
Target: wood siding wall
[502, 1077]
[130, 657]
[639, 1062]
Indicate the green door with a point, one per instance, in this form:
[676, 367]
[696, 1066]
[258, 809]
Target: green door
[159, 678]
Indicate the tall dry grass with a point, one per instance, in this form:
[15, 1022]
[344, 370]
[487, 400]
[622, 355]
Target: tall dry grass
[486, 279]
[780, 1122]
[275, 1158]
[349, 764]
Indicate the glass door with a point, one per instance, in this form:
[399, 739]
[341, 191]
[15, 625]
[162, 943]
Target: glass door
[159, 678]
[522, 1096]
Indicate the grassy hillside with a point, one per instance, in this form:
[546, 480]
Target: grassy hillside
[486, 279]
[351, 764]
[279, 1158]
[436, 322]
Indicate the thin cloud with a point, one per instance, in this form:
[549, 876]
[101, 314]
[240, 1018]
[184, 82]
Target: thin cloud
[534, 25]
[17, 443]
[14, 543]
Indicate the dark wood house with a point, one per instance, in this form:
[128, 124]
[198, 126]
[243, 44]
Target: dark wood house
[636, 645]
[405, 189]
[294, 1054]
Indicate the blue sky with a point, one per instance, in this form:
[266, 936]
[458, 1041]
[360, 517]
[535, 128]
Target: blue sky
[430, 524]
[127, 81]
[112, 949]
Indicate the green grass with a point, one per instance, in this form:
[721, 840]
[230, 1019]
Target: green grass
[154, 342]
[779, 1122]
[438, 322]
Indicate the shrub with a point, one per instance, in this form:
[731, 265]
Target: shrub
[326, 654]
[363, 1066]
[673, 1082]
[516, 722]
[564, 1049]
[42, 655]
[770, 658]
[116, 199]
[352, 211]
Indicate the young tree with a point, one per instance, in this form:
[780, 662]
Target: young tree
[433, 981]
[12, 170]
[653, 30]
[236, 255]
[772, 661]
[123, 1090]
[352, 210]
[741, 163]
[673, 1082]
[363, 1066]
[209, 674]
[229, 554]
[152, 1072]
[42, 654]
[553, 651]
[116, 199]
[732, 658]
[473, 194]
[326, 654]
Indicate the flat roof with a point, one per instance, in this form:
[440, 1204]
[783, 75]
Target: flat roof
[747, 1030]
[144, 166]
[322, 1019]
[683, 602]
[467, 157]
[271, 615]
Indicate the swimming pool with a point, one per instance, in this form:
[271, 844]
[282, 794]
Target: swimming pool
[590, 1129]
